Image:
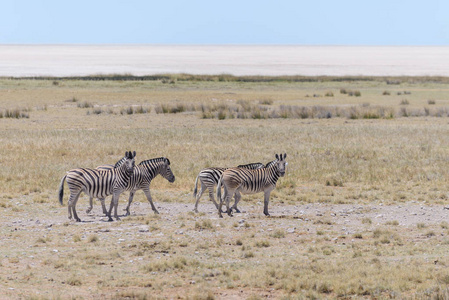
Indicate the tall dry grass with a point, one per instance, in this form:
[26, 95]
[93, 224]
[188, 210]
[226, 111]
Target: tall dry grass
[333, 145]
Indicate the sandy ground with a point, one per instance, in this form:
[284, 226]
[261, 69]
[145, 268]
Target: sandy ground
[347, 216]
[294, 220]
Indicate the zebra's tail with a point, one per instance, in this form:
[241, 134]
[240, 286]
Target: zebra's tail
[195, 190]
[61, 189]
[219, 189]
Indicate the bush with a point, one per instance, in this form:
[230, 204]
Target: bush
[266, 102]
[84, 104]
[15, 113]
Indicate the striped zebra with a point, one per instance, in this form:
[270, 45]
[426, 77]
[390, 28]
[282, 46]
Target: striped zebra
[236, 201]
[143, 173]
[98, 184]
[104, 168]
[209, 179]
[246, 181]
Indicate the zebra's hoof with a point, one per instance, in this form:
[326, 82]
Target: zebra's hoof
[78, 220]
[110, 219]
[156, 212]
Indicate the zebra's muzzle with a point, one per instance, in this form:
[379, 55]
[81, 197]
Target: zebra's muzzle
[282, 174]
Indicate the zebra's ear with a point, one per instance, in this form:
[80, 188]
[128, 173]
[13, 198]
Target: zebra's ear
[134, 154]
[277, 157]
[168, 161]
[126, 154]
[285, 156]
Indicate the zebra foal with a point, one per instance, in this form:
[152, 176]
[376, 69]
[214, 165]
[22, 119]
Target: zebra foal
[209, 177]
[98, 184]
[141, 178]
[247, 181]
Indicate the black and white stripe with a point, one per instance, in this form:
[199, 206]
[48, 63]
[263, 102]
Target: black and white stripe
[209, 179]
[247, 181]
[98, 184]
[141, 178]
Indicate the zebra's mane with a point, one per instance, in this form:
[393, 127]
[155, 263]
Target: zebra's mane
[271, 163]
[120, 162]
[154, 160]
[252, 166]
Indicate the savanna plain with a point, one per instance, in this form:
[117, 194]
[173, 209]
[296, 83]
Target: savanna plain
[360, 213]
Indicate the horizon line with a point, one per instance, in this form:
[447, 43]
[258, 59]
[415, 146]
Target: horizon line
[218, 45]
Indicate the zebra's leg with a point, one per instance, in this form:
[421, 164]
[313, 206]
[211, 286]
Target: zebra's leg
[72, 204]
[73, 195]
[219, 203]
[131, 197]
[212, 198]
[91, 205]
[103, 206]
[198, 196]
[266, 199]
[228, 196]
[147, 193]
[237, 198]
[115, 198]
[211, 195]
[110, 210]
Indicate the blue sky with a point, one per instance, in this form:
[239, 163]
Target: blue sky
[311, 22]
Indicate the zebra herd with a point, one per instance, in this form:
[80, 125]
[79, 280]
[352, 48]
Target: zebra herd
[106, 180]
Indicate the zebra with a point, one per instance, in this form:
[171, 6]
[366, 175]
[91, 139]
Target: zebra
[236, 201]
[104, 168]
[246, 181]
[98, 184]
[143, 173]
[209, 178]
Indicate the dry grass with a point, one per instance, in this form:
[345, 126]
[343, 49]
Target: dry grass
[396, 159]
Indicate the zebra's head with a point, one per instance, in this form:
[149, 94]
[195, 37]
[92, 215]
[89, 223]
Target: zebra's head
[129, 161]
[166, 171]
[281, 163]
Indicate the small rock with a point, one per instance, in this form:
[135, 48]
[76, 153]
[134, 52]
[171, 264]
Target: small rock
[144, 228]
